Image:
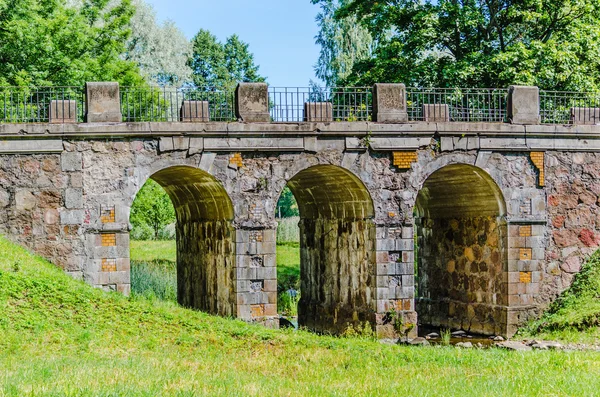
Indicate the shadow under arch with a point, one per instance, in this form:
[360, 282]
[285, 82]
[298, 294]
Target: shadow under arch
[461, 251]
[205, 239]
[337, 249]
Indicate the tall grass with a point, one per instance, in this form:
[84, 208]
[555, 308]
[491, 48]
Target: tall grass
[154, 279]
[288, 230]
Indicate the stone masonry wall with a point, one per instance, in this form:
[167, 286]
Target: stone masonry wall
[573, 186]
[206, 266]
[462, 279]
[337, 274]
[73, 208]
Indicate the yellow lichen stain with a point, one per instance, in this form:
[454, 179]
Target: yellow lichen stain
[469, 254]
[451, 266]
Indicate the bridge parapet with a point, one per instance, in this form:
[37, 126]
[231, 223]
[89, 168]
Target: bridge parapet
[258, 103]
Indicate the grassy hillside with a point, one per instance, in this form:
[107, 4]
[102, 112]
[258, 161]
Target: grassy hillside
[62, 337]
[575, 315]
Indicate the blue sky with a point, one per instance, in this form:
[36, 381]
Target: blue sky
[280, 32]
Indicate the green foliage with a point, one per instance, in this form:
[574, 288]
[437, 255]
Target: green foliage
[152, 207]
[447, 43]
[45, 42]
[219, 65]
[287, 305]
[288, 230]
[61, 337]
[287, 205]
[577, 310]
[343, 42]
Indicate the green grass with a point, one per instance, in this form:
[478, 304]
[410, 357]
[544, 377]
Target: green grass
[63, 337]
[575, 315]
[147, 251]
[154, 269]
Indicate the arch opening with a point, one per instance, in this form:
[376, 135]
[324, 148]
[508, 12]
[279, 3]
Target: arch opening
[337, 249]
[461, 247]
[205, 239]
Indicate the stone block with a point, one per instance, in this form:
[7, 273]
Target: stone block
[181, 143]
[252, 102]
[102, 103]
[389, 103]
[404, 244]
[71, 161]
[310, 144]
[62, 112]
[196, 145]
[73, 198]
[318, 112]
[71, 217]
[25, 200]
[194, 112]
[581, 116]
[388, 244]
[436, 113]
[21, 146]
[523, 105]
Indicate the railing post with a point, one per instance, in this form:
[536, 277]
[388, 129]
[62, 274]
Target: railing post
[523, 104]
[102, 103]
[62, 111]
[318, 112]
[252, 102]
[389, 103]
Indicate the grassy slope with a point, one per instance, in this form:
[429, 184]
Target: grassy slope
[62, 337]
[575, 315]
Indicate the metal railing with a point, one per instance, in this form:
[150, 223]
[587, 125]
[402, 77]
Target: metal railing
[463, 104]
[41, 104]
[173, 104]
[564, 107]
[320, 104]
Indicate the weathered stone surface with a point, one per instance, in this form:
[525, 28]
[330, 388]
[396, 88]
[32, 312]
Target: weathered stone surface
[436, 113]
[585, 115]
[103, 103]
[389, 103]
[109, 168]
[194, 112]
[318, 112]
[62, 111]
[73, 198]
[252, 102]
[71, 161]
[31, 146]
[523, 105]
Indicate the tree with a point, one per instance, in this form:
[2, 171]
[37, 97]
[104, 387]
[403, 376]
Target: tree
[45, 42]
[343, 42]
[287, 205]
[160, 51]
[494, 43]
[153, 207]
[220, 65]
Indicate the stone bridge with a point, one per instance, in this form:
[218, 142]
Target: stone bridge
[466, 225]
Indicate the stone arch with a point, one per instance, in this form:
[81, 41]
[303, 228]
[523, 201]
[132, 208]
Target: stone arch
[205, 239]
[460, 219]
[337, 248]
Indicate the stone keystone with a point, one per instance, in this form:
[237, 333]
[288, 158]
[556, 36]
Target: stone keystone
[523, 104]
[389, 103]
[102, 103]
[252, 102]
